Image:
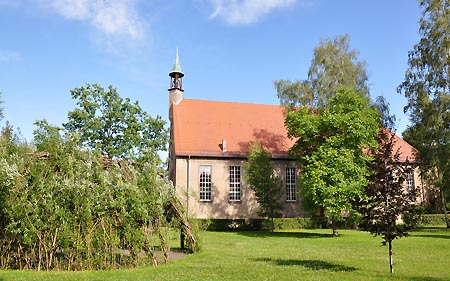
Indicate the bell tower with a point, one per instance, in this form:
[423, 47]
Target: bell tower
[176, 82]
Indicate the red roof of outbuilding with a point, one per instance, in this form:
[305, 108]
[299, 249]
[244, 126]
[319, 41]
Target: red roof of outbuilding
[199, 126]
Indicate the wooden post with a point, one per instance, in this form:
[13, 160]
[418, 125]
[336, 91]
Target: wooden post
[182, 238]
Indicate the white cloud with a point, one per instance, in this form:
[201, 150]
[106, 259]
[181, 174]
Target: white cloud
[236, 12]
[118, 17]
[7, 56]
[77, 10]
[114, 18]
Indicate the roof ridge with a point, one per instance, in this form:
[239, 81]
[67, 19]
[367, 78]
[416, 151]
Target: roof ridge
[235, 102]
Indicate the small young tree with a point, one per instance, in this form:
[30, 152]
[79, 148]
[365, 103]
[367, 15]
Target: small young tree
[264, 182]
[388, 201]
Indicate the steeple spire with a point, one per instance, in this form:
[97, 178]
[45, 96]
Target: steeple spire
[176, 75]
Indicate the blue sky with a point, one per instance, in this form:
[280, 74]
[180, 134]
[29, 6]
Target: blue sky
[230, 50]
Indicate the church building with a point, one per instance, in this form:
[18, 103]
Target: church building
[209, 146]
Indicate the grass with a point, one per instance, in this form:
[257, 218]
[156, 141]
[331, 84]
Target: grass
[293, 255]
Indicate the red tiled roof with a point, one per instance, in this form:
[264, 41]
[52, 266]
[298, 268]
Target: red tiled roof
[199, 126]
[406, 151]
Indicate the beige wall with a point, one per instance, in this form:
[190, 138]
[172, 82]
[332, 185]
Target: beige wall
[421, 189]
[220, 206]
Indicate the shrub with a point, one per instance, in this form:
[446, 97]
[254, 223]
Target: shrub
[261, 224]
[431, 220]
[64, 208]
[232, 224]
[294, 223]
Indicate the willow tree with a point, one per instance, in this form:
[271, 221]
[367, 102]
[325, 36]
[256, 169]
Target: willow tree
[334, 65]
[427, 90]
[64, 207]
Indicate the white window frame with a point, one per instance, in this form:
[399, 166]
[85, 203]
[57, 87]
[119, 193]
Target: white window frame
[291, 184]
[205, 183]
[410, 183]
[235, 183]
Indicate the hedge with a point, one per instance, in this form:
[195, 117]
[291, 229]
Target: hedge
[431, 219]
[261, 224]
[293, 223]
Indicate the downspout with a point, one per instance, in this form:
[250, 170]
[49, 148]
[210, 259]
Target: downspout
[423, 189]
[187, 184]
[182, 233]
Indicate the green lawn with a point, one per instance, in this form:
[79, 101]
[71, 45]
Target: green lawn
[295, 255]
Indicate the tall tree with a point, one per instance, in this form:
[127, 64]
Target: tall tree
[330, 148]
[334, 65]
[427, 89]
[264, 182]
[116, 127]
[387, 198]
[387, 119]
[1, 107]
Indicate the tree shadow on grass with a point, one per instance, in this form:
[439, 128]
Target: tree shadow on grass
[431, 236]
[310, 264]
[421, 278]
[441, 232]
[263, 234]
[432, 228]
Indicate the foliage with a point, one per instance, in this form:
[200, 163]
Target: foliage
[387, 119]
[330, 148]
[116, 127]
[387, 199]
[427, 89]
[231, 224]
[261, 224]
[263, 181]
[431, 220]
[298, 223]
[334, 65]
[63, 207]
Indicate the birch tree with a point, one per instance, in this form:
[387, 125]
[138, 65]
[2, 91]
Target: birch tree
[427, 90]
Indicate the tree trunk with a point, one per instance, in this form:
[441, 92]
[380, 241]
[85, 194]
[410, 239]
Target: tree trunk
[335, 231]
[444, 207]
[39, 257]
[272, 224]
[175, 204]
[334, 227]
[272, 227]
[391, 262]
